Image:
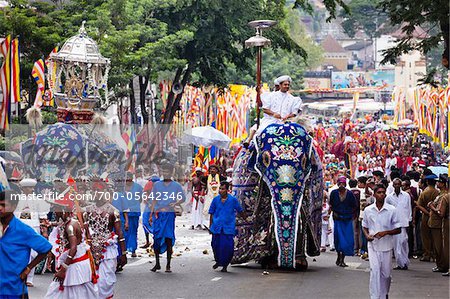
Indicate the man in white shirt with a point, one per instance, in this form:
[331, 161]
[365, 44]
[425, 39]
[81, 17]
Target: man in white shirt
[380, 224]
[402, 203]
[280, 105]
[31, 211]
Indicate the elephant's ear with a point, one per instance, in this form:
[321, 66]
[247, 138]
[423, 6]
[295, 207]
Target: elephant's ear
[26, 151]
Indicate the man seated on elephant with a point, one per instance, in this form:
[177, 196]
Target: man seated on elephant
[278, 106]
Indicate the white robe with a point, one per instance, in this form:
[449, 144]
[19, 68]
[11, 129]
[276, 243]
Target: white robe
[212, 191]
[197, 213]
[380, 272]
[78, 282]
[107, 270]
[279, 102]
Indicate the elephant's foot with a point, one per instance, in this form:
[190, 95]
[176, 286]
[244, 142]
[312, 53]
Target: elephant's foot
[269, 262]
[301, 264]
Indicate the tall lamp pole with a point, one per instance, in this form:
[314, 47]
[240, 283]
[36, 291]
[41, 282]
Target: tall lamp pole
[259, 41]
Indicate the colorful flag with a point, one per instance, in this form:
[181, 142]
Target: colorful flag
[38, 73]
[129, 136]
[15, 71]
[51, 75]
[5, 79]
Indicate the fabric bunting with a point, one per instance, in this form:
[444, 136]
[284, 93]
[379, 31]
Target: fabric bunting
[5, 79]
[430, 111]
[38, 73]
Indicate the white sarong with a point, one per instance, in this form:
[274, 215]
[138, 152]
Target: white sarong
[107, 270]
[380, 273]
[78, 281]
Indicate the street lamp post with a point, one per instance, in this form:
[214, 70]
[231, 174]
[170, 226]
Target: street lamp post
[259, 41]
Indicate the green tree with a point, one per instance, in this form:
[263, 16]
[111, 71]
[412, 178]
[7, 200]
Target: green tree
[39, 27]
[219, 31]
[332, 6]
[432, 15]
[364, 15]
[280, 62]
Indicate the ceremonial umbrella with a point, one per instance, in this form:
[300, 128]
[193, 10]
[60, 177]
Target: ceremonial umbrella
[206, 136]
[437, 170]
[405, 122]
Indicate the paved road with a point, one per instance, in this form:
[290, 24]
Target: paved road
[193, 277]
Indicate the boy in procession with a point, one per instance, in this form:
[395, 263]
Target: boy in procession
[223, 225]
[16, 242]
[380, 224]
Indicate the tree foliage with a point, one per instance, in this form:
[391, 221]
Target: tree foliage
[364, 15]
[431, 15]
[281, 62]
[144, 38]
[332, 6]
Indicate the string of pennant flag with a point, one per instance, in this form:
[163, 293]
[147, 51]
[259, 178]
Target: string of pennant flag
[431, 110]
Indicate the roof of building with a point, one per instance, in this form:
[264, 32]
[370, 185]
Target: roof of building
[358, 45]
[330, 45]
[418, 32]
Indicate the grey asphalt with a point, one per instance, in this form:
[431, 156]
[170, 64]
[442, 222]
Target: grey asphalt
[193, 276]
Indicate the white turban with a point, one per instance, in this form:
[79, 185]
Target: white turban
[276, 82]
[198, 169]
[281, 79]
[28, 183]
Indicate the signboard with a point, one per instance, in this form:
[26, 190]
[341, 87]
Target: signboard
[316, 83]
[361, 79]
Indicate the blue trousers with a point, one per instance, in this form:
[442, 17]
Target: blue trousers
[131, 234]
[343, 237]
[223, 248]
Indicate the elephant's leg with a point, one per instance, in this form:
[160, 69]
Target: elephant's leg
[300, 257]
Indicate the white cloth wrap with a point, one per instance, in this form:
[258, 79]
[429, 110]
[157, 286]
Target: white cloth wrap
[78, 281]
[107, 270]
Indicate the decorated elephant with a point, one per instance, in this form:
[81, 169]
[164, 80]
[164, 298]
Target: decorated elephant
[63, 150]
[279, 183]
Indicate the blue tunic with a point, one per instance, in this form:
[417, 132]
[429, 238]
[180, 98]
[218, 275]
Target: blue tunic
[343, 212]
[164, 194]
[15, 248]
[224, 215]
[146, 214]
[223, 228]
[130, 202]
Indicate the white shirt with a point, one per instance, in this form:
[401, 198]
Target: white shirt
[325, 209]
[279, 102]
[381, 220]
[142, 182]
[402, 203]
[30, 210]
[390, 188]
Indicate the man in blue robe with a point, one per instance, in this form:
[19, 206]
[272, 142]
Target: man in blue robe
[129, 205]
[165, 195]
[223, 226]
[16, 242]
[343, 204]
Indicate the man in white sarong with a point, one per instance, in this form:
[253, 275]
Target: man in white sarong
[380, 224]
[198, 199]
[74, 277]
[402, 203]
[32, 212]
[105, 234]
